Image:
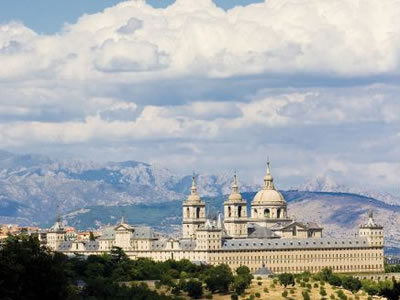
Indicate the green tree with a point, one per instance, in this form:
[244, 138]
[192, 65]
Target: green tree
[240, 284]
[91, 236]
[118, 255]
[285, 279]
[219, 278]
[391, 293]
[29, 271]
[194, 288]
[351, 283]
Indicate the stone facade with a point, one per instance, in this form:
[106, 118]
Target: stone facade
[268, 238]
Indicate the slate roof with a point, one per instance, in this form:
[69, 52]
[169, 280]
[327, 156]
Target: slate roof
[259, 232]
[294, 243]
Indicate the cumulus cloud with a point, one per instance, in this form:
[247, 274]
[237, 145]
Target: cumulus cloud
[313, 84]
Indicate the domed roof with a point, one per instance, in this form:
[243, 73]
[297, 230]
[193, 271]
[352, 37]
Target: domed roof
[235, 195]
[268, 192]
[268, 196]
[193, 197]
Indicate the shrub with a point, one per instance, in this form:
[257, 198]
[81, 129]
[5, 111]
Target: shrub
[341, 295]
[369, 298]
[292, 291]
[259, 283]
[194, 288]
[209, 296]
[258, 295]
[308, 285]
[316, 285]
[322, 292]
[305, 295]
[322, 283]
[285, 279]
[284, 293]
[275, 281]
[266, 290]
[157, 284]
[272, 286]
[234, 297]
[259, 278]
[302, 284]
[332, 296]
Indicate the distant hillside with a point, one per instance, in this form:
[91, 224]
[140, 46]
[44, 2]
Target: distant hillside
[32, 186]
[339, 213]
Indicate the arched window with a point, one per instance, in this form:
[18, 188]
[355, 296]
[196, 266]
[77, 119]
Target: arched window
[229, 211]
[239, 211]
[279, 213]
[255, 212]
[197, 212]
[267, 213]
[187, 212]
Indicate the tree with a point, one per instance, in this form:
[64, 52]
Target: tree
[219, 278]
[118, 255]
[240, 284]
[352, 284]
[26, 268]
[285, 279]
[194, 288]
[91, 236]
[391, 293]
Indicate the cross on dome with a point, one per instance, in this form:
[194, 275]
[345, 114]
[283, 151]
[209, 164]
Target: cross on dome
[268, 179]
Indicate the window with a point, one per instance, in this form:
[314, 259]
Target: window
[267, 213]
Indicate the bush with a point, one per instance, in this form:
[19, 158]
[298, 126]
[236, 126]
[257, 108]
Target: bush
[308, 285]
[266, 290]
[257, 295]
[341, 295]
[157, 284]
[275, 281]
[209, 296]
[322, 283]
[316, 285]
[292, 291]
[302, 284]
[286, 279]
[369, 298]
[259, 283]
[194, 288]
[351, 283]
[234, 297]
[305, 295]
[284, 293]
[259, 278]
[272, 286]
[322, 292]
[332, 296]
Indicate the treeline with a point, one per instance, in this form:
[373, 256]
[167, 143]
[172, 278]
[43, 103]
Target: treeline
[30, 271]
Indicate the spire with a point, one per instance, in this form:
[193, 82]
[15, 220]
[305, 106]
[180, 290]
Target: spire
[235, 186]
[194, 188]
[235, 195]
[122, 220]
[268, 179]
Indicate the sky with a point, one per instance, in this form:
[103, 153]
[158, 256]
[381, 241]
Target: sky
[208, 86]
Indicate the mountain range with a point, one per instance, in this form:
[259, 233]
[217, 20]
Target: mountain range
[90, 194]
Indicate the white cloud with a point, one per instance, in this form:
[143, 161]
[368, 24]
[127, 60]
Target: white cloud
[207, 88]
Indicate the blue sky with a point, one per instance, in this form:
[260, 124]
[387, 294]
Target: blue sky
[205, 86]
[49, 16]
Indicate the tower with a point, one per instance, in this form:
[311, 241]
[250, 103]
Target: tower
[268, 206]
[56, 235]
[193, 212]
[372, 231]
[235, 213]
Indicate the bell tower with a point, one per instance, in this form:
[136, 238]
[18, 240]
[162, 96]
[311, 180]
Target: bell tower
[193, 212]
[372, 231]
[235, 213]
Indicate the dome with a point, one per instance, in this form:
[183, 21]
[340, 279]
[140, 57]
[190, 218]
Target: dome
[268, 193]
[235, 195]
[193, 197]
[268, 196]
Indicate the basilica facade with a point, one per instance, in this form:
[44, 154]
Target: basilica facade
[266, 238]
